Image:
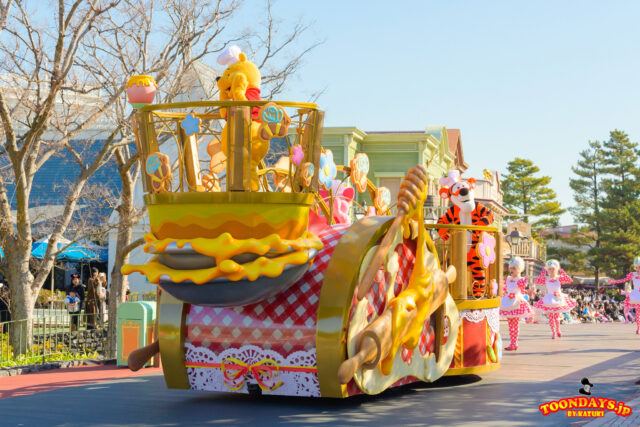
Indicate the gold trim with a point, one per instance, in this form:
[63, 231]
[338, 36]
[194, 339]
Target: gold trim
[229, 197]
[472, 369]
[461, 227]
[477, 304]
[197, 104]
[171, 331]
[338, 287]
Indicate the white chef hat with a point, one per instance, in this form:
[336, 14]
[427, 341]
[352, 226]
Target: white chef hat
[449, 178]
[229, 56]
[517, 262]
[636, 261]
[553, 263]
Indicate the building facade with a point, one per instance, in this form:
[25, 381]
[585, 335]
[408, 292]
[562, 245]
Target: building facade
[392, 154]
[533, 252]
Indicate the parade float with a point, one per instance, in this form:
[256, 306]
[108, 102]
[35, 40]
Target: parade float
[266, 283]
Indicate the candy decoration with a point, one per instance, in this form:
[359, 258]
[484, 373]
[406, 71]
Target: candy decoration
[492, 354]
[159, 169]
[359, 171]
[445, 330]
[497, 347]
[306, 173]
[190, 124]
[141, 90]
[274, 121]
[457, 354]
[382, 200]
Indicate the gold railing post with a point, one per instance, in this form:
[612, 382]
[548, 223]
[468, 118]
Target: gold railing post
[499, 266]
[459, 260]
[311, 145]
[189, 149]
[317, 146]
[238, 143]
[144, 144]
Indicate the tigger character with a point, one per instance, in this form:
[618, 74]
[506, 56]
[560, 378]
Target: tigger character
[465, 210]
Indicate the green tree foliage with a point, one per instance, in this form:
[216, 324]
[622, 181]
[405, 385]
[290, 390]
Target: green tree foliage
[588, 194]
[621, 227]
[527, 194]
[572, 250]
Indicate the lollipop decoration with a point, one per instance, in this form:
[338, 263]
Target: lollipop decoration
[141, 90]
[328, 170]
[306, 172]
[359, 171]
[382, 200]
[159, 169]
[275, 121]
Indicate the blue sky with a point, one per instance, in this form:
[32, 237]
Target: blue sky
[528, 79]
[533, 79]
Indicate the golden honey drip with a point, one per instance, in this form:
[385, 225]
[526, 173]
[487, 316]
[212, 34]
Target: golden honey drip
[141, 81]
[416, 298]
[262, 266]
[225, 247]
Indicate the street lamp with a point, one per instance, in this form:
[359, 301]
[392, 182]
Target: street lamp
[430, 215]
[514, 238]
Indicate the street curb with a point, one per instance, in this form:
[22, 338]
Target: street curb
[28, 369]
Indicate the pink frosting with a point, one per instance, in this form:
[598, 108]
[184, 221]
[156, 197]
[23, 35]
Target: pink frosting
[141, 94]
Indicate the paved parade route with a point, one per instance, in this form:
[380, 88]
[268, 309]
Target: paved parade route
[543, 370]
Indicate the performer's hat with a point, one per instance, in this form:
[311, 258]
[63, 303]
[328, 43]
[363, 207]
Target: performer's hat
[636, 261]
[553, 263]
[449, 178]
[229, 56]
[586, 386]
[517, 262]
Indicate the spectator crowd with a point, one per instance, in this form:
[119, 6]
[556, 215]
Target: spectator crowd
[591, 306]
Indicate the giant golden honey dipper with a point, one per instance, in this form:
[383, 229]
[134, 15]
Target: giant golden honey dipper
[412, 192]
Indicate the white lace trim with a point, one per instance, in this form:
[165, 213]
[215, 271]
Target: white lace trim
[477, 315]
[293, 383]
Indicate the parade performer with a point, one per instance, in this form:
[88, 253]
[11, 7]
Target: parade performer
[554, 302]
[465, 210]
[514, 306]
[633, 297]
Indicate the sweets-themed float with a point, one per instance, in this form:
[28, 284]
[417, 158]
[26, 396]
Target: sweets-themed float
[267, 285]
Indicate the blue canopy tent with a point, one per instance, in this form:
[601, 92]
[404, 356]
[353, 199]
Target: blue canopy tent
[1, 254]
[70, 252]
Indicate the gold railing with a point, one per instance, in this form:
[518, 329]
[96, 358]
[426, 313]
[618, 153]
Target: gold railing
[156, 124]
[454, 252]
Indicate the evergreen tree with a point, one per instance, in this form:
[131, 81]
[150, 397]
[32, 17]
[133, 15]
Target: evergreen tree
[621, 229]
[530, 195]
[588, 195]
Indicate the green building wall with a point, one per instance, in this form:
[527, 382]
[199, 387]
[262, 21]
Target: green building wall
[392, 154]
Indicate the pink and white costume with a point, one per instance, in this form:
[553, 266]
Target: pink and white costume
[633, 297]
[555, 301]
[513, 305]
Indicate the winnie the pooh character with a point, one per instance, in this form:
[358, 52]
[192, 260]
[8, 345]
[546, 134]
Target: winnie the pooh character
[241, 82]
